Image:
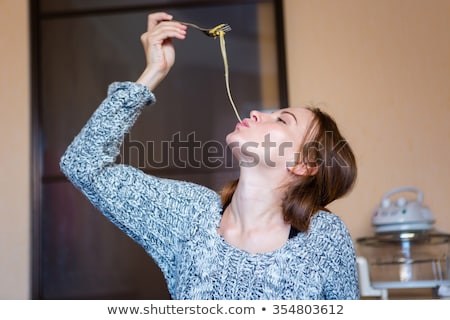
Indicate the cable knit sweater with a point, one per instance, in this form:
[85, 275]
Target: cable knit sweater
[176, 222]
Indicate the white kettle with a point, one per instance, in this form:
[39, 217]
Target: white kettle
[402, 214]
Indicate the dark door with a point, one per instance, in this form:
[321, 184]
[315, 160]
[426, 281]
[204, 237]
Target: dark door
[79, 48]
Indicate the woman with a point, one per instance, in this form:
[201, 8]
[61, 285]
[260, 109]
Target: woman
[269, 237]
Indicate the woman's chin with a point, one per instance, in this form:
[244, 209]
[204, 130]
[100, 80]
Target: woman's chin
[232, 139]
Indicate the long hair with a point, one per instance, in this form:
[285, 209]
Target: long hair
[326, 151]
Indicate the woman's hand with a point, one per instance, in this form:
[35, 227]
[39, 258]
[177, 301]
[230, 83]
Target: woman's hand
[158, 47]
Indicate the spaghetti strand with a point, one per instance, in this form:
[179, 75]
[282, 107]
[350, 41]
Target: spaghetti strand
[227, 78]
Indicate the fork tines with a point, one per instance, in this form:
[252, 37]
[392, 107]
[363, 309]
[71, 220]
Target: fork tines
[226, 28]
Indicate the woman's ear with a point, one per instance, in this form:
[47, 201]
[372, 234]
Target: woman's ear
[301, 169]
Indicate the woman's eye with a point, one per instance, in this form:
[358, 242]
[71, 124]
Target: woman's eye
[281, 120]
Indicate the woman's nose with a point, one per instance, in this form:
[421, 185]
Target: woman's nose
[255, 115]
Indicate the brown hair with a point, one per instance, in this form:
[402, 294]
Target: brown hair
[327, 151]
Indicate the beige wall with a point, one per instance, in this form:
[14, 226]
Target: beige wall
[15, 151]
[382, 68]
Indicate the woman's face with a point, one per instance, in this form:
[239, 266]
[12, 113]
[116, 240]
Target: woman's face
[270, 139]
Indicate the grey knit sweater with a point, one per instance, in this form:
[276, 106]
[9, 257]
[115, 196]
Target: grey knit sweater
[176, 222]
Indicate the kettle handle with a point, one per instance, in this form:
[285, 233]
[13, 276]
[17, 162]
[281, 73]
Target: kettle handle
[388, 194]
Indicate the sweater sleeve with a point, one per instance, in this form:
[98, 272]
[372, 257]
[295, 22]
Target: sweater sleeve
[159, 214]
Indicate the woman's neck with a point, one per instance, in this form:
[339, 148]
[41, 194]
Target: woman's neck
[254, 221]
[256, 202]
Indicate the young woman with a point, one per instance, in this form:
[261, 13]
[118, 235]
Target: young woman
[266, 236]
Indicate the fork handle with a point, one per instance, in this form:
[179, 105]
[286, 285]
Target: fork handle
[192, 25]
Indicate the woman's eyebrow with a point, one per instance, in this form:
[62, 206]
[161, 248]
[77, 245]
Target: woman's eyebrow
[290, 113]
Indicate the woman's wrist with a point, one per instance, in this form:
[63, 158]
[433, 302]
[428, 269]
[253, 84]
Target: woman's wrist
[150, 78]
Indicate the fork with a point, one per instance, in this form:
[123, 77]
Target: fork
[211, 32]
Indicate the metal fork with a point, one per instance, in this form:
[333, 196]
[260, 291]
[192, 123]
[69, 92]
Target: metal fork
[211, 32]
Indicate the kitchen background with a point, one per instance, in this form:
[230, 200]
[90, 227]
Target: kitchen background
[382, 68]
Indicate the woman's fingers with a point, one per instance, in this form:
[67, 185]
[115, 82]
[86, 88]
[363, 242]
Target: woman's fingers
[165, 30]
[154, 18]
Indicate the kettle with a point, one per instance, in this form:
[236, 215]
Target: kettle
[402, 214]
